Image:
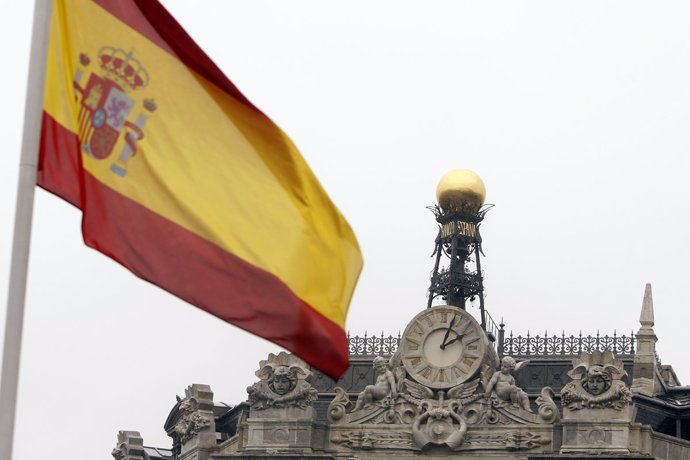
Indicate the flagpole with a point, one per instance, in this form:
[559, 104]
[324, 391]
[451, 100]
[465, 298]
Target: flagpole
[22, 226]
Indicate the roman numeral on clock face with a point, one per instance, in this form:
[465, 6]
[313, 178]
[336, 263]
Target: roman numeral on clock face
[412, 344]
[458, 371]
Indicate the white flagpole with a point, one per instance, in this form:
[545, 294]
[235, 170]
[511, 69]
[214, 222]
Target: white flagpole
[22, 226]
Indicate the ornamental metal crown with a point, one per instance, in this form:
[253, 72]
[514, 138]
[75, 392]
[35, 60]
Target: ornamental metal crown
[121, 67]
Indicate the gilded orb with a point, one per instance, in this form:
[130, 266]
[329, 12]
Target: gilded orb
[461, 190]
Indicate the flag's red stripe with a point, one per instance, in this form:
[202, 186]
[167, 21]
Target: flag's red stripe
[187, 265]
[152, 20]
[60, 174]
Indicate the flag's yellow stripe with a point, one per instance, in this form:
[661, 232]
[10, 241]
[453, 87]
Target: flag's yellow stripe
[209, 153]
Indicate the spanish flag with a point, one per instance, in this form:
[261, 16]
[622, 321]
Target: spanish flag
[186, 183]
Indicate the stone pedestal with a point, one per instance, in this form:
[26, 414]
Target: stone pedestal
[595, 437]
[596, 431]
[283, 428]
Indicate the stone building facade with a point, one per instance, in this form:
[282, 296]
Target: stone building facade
[450, 386]
[491, 396]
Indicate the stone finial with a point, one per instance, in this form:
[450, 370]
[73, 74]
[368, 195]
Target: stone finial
[647, 313]
[130, 446]
[644, 364]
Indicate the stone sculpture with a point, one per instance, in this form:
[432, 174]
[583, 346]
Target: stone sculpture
[598, 383]
[377, 403]
[191, 423]
[596, 406]
[440, 422]
[196, 415]
[385, 385]
[502, 383]
[285, 382]
[439, 426]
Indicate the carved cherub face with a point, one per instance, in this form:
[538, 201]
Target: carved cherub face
[597, 380]
[283, 380]
[507, 365]
[595, 385]
[379, 365]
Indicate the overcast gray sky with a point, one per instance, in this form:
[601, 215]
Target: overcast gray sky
[575, 114]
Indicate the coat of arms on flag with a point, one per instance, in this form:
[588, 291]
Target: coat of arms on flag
[106, 105]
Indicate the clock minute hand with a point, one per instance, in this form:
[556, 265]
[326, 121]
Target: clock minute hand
[445, 337]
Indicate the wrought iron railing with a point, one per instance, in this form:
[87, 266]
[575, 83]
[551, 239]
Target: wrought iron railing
[491, 325]
[528, 345]
[373, 345]
[564, 345]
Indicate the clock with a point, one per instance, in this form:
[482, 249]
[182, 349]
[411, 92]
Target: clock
[443, 346]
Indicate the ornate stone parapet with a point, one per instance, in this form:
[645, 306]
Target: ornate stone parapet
[196, 428]
[130, 446]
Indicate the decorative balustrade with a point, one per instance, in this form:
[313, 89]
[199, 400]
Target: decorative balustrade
[564, 345]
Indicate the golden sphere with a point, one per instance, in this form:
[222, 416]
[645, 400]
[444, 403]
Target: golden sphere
[460, 190]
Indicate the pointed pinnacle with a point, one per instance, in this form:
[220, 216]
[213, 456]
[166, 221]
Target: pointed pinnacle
[647, 313]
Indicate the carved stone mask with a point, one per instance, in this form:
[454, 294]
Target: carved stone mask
[597, 380]
[283, 381]
[596, 385]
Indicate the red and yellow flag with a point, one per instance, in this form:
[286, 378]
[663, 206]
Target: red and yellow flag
[187, 184]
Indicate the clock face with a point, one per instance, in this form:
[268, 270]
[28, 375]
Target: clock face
[443, 346]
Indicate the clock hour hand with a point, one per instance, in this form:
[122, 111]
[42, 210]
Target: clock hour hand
[457, 337]
[445, 337]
